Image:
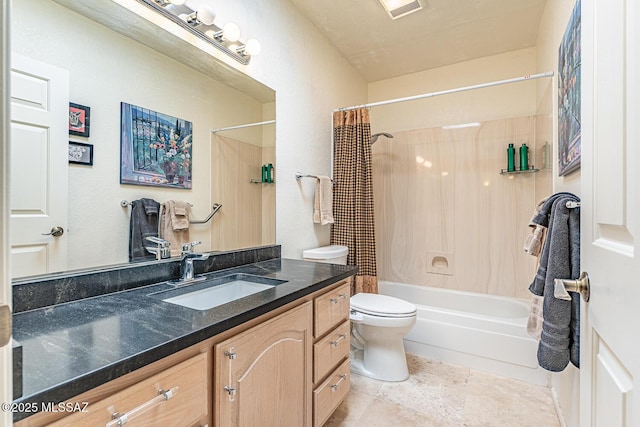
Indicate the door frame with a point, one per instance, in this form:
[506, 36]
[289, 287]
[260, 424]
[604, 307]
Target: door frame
[6, 369]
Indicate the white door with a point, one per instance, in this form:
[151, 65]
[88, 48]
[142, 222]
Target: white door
[39, 166]
[610, 357]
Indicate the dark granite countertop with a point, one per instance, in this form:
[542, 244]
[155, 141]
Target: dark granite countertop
[72, 347]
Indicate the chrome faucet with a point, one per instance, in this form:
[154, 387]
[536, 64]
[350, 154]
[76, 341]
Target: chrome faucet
[163, 250]
[187, 272]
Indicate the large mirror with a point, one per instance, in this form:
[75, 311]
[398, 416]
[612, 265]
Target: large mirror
[102, 55]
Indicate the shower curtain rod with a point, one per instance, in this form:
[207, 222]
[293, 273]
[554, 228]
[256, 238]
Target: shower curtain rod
[268, 122]
[446, 92]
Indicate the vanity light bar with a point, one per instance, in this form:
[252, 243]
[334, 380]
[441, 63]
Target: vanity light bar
[171, 11]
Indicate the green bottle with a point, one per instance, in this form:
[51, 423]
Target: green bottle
[264, 173]
[511, 154]
[524, 157]
[269, 172]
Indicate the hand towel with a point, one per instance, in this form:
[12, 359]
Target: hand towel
[560, 259]
[143, 224]
[323, 202]
[180, 215]
[176, 236]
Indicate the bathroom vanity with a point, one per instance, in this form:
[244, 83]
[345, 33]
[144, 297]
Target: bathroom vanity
[277, 357]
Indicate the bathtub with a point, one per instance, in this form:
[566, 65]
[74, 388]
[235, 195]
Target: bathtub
[483, 332]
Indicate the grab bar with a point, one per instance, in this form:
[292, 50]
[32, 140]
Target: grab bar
[214, 210]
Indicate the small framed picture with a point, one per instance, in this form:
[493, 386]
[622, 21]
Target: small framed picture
[79, 120]
[81, 154]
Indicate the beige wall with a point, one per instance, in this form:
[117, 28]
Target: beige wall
[446, 217]
[233, 164]
[566, 384]
[506, 101]
[472, 213]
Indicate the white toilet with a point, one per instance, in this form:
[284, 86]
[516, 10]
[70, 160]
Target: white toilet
[378, 326]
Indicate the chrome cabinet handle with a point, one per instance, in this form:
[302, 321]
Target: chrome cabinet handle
[336, 300]
[122, 419]
[562, 287]
[340, 338]
[334, 387]
[56, 231]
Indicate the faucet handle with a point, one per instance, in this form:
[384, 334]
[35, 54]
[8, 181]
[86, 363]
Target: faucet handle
[187, 248]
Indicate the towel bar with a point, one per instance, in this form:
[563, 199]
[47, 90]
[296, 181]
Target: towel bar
[299, 176]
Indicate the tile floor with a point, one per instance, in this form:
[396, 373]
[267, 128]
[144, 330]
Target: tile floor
[440, 394]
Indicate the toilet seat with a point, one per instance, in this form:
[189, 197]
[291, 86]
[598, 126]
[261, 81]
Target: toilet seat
[382, 305]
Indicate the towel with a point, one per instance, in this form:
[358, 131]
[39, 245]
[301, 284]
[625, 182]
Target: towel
[174, 224]
[323, 202]
[560, 259]
[533, 246]
[143, 224]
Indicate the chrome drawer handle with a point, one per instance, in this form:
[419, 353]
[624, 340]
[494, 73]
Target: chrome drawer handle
[334, 387]
[340, 338]
[122, 419]
[337, 300]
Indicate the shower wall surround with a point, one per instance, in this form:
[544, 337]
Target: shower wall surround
[445, 217]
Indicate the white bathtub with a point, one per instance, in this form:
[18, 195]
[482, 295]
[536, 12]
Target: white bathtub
[483, 332]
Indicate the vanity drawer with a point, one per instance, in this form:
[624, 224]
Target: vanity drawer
[144, 406]
[330, 393]
[330, 350]
[330, 309]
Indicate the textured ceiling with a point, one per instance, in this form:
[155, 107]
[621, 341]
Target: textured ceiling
[444, 32]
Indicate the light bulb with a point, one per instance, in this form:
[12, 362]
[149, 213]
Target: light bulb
[205, 15]
[231, 32]
[252, 47]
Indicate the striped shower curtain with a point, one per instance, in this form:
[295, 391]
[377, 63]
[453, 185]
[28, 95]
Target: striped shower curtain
[353, 196]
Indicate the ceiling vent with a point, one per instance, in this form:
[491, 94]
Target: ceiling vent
[399, 8]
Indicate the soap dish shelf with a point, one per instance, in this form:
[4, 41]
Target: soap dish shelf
[508, 172]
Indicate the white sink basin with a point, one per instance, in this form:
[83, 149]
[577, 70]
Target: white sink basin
[205, 299]
[213, 292]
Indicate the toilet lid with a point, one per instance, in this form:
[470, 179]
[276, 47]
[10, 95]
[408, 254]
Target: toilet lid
[382, 305]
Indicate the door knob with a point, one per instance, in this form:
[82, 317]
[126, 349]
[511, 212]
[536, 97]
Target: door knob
[564, 286]
[56, 231]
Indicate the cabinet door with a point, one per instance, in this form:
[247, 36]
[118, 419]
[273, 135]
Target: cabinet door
[263, 375]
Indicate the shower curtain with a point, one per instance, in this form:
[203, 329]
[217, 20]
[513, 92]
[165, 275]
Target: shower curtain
[353, 196]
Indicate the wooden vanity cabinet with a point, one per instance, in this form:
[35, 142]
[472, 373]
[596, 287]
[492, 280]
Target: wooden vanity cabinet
[331, 374]
[262, 375]
[288, 367]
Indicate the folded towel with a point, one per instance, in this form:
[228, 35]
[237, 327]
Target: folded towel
[174, 226]
[323, 202]
[180, 215]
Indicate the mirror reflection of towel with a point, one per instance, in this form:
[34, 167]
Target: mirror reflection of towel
[143, 223]
[174, 224]
[180, 216]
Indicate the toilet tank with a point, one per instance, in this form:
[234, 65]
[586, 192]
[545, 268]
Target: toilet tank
[334, 254]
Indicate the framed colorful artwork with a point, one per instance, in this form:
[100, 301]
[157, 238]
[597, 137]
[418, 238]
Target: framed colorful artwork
[155, 148]
[79, 120]
[569, 135]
